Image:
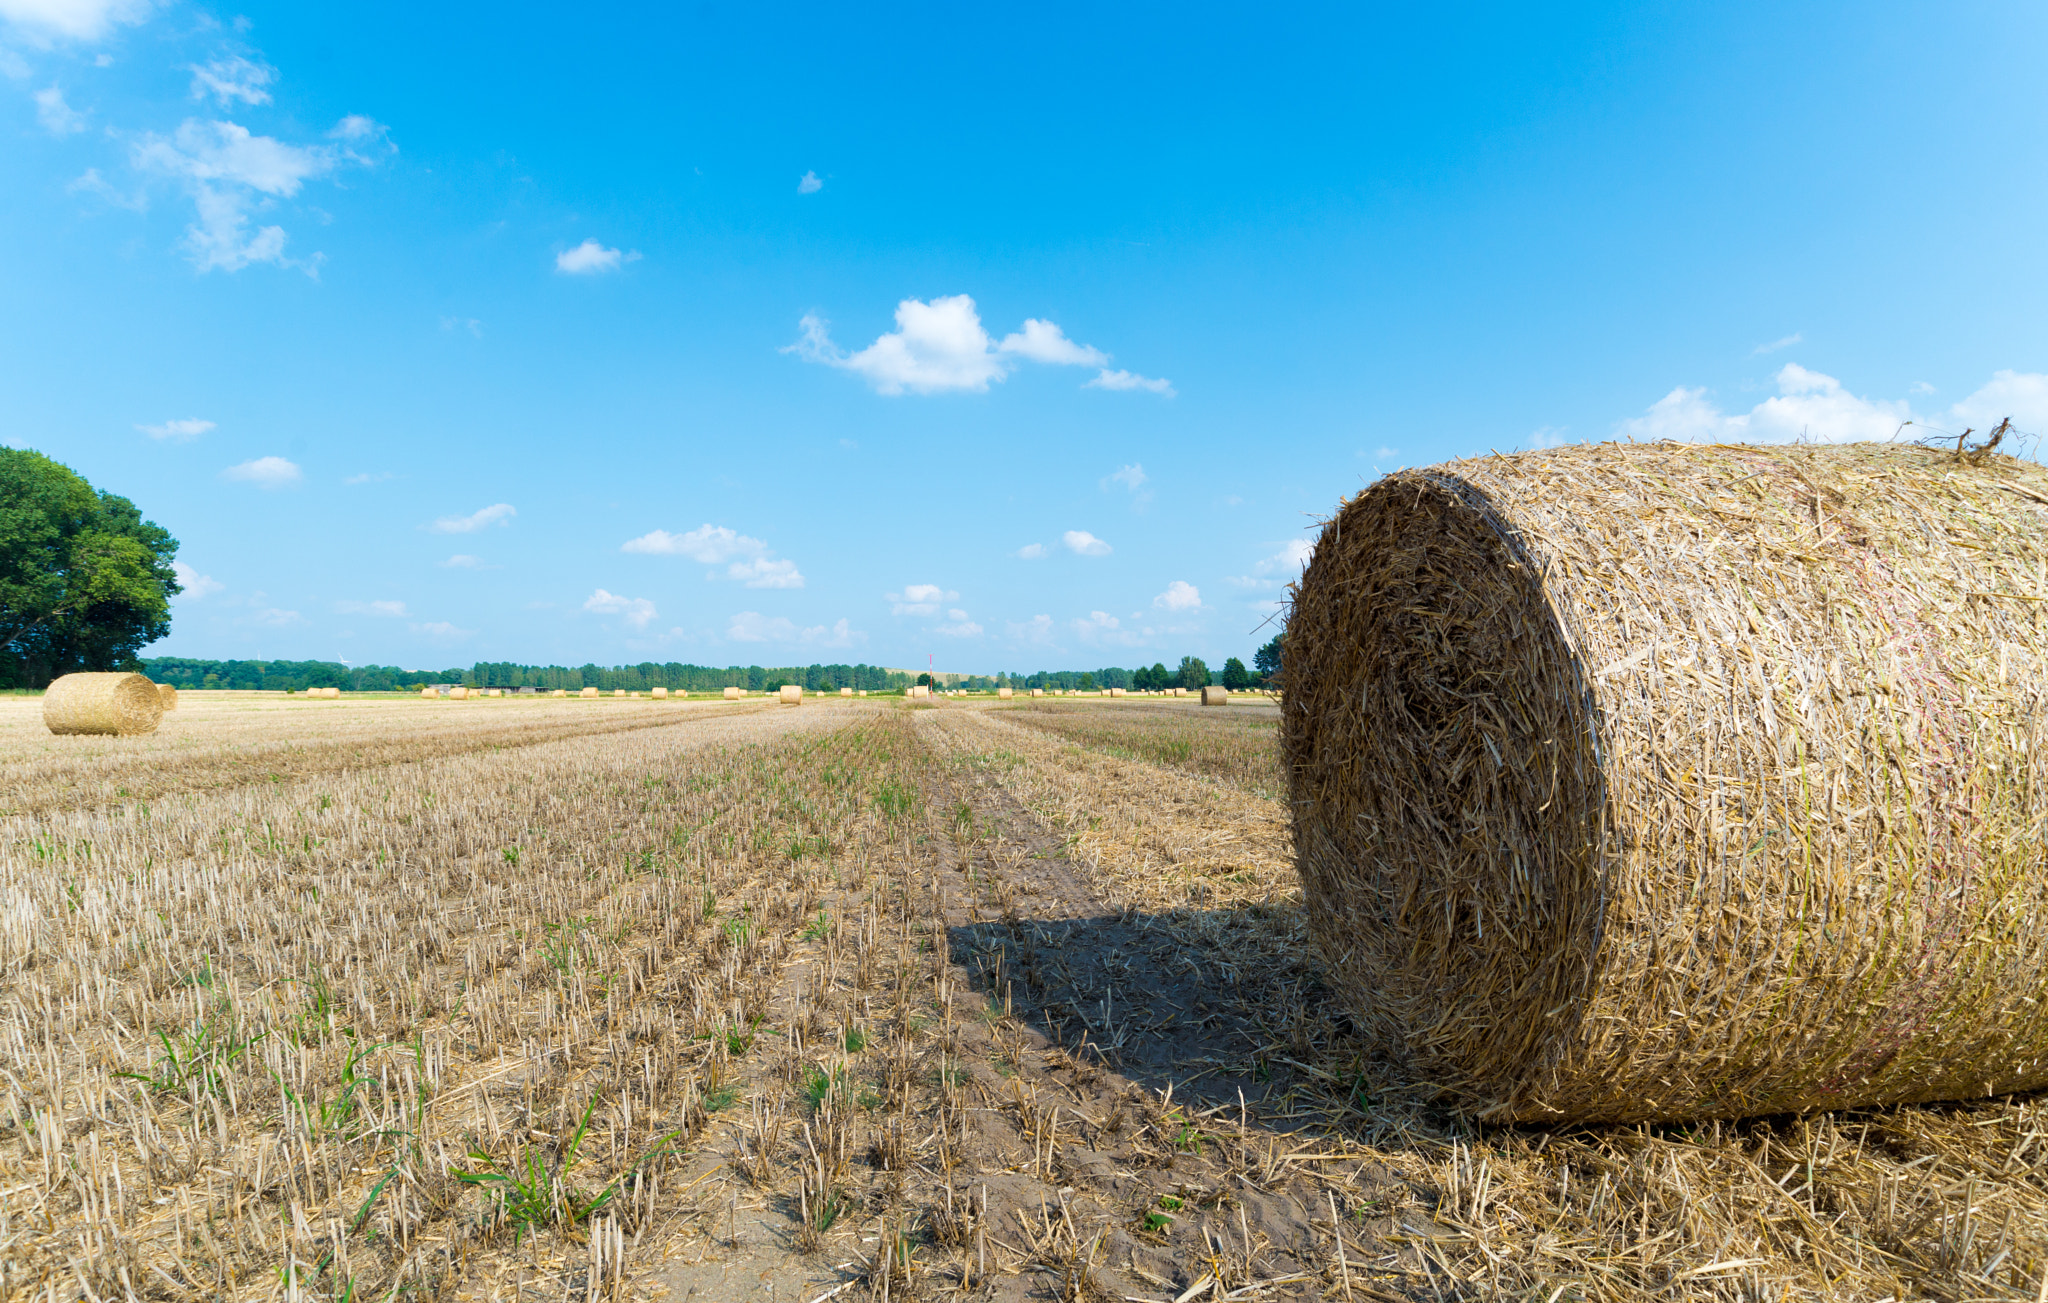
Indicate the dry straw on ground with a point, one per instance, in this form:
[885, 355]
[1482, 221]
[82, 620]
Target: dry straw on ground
[168, 695]
[112, 703]
[1660, 781]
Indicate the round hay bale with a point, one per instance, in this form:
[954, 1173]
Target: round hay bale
[1639, 782]
[846, 692]
[1038, 692]
[1004, 693]
[661, 694]
[429, 692]
[117, 703]
[732, 694]
[168, 695]
[792, 695]
[588, 692]
[458, 692]
[1215, 696]
[559, 692]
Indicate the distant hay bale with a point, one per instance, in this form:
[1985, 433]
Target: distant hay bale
[732, 694]
[168, 695]
[559, 692]
[661, 694]
[1653, 781]
[118, 704]
[588, 692]
[1038, 692]
[846, 692]
[863, 692]
[429, 692]
[1215, 696]
[1004, 693]
[458, 692]
[1116, 692]
[792, 695]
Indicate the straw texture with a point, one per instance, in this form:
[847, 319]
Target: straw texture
[1660, 781]
[1215, 696]
[792, 695]
[168, 695]
[111, 703]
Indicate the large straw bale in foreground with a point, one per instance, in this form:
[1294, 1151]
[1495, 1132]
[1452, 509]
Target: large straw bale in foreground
[115, 703]
[1657, 781]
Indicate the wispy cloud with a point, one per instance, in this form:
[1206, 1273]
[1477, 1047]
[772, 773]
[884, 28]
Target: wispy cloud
[265, 473]
[1816, 408]
[80, 20]
[441, 631]
[1083, 543]
[233, 78]
[395, 610]
[919, 599]
[752, 626]
[591, 257]
[464, 561]
[498, 513]
[1279, 568]
[747, 560]
[958, 625]
[636, 611]
[371, 477]
[1033, 552]
[183, 431]
[57, 117]
[1108, 379]
[809, 184]
[1794, 338]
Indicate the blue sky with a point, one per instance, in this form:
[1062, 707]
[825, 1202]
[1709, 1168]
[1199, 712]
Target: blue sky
[1032, 340]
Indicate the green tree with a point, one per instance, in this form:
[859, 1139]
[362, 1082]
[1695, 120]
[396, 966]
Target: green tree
[1234, 677]
[85, 581]
[1193, 674]
[1266, 660]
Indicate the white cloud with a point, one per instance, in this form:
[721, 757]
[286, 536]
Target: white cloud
[1809, 406]
[91, 182]
[464, 561]
[441, 631]
[1549, 436]
[1280, 568]
[2019, 394]
[1920, 387]
[752, 626]
[1815, 408]
[265, 473]
[177, 431]
[1037, 629]
[766, 572]
[1384, 453]
[942, 346]
[196, 585]
[1101, 626]
[958, 626]
[1108, 379]
[233, 77]
[1042, 341]
[752, 562]
[84, 20]
[1131, 477]
[590, 257]
[498, 513]
[1180, 595]
[229, 173]
[395, 610]
[809, 184]
[1032, 551]
[57, 117]
[1084, 543]
[636, 611]
[919, 599]
[371, 477]
[274, 618]
[1794, 338]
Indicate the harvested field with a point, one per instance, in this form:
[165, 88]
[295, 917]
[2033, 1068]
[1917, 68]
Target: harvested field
[1237, 746]
[756, 1003]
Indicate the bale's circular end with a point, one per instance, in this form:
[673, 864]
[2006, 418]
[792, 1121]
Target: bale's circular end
[1443, 768]
[108, 704]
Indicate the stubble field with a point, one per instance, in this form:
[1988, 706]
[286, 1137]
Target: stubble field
[579, 1000]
